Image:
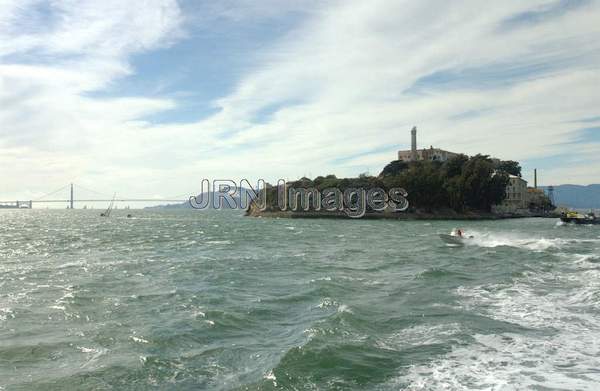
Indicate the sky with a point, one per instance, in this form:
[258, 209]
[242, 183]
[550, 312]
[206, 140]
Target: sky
[147, 98]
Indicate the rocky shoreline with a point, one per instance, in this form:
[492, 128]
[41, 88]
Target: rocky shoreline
[442, 214]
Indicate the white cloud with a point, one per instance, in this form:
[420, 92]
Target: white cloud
[327, 91]
[355, 64]
[350, 68]
[50, 59]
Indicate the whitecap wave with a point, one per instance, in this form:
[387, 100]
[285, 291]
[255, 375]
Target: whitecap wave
[511, 362]
[558, 348]
[419, 335]
[516, 240]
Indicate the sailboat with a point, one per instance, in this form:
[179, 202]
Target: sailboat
[106, 213]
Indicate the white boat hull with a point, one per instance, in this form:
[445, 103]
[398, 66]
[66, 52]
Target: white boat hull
[452, 239]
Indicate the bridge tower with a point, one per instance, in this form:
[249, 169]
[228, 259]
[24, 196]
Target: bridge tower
[71, 200]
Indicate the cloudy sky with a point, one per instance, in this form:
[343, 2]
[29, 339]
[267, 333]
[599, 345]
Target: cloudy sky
[147, 98]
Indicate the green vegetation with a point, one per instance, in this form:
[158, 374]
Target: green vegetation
[510, 167]
[461, 183]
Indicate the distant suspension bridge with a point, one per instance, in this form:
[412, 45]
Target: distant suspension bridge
[71, 200]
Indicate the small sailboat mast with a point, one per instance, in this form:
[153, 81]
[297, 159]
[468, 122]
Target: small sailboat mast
[110, 207]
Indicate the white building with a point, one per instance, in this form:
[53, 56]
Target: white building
[432, 153]
[517, 198]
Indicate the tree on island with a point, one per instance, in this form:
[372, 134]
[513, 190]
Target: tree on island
[510, 167]
[460, 183]
[483, 185]
[394, 168]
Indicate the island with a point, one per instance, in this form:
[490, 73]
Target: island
[437, 185]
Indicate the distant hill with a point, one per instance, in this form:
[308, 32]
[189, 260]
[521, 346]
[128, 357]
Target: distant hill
[211, 195]
[577, 196]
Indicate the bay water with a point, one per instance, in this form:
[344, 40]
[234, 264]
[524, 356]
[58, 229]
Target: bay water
[180, 300]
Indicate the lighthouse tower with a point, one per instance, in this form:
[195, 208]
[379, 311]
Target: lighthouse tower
[414, 157]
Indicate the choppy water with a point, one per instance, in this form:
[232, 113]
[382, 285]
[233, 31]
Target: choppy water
[215, 300]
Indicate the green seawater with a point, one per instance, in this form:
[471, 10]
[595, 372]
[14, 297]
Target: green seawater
[177, 300]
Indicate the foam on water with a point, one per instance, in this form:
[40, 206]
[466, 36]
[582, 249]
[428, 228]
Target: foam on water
[559, 349]
[420, 335]
[522, 240]
[6, 313]
[511, 362]
[180, 300]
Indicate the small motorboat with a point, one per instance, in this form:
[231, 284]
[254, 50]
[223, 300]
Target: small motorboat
[578, 218]
[456, 237]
